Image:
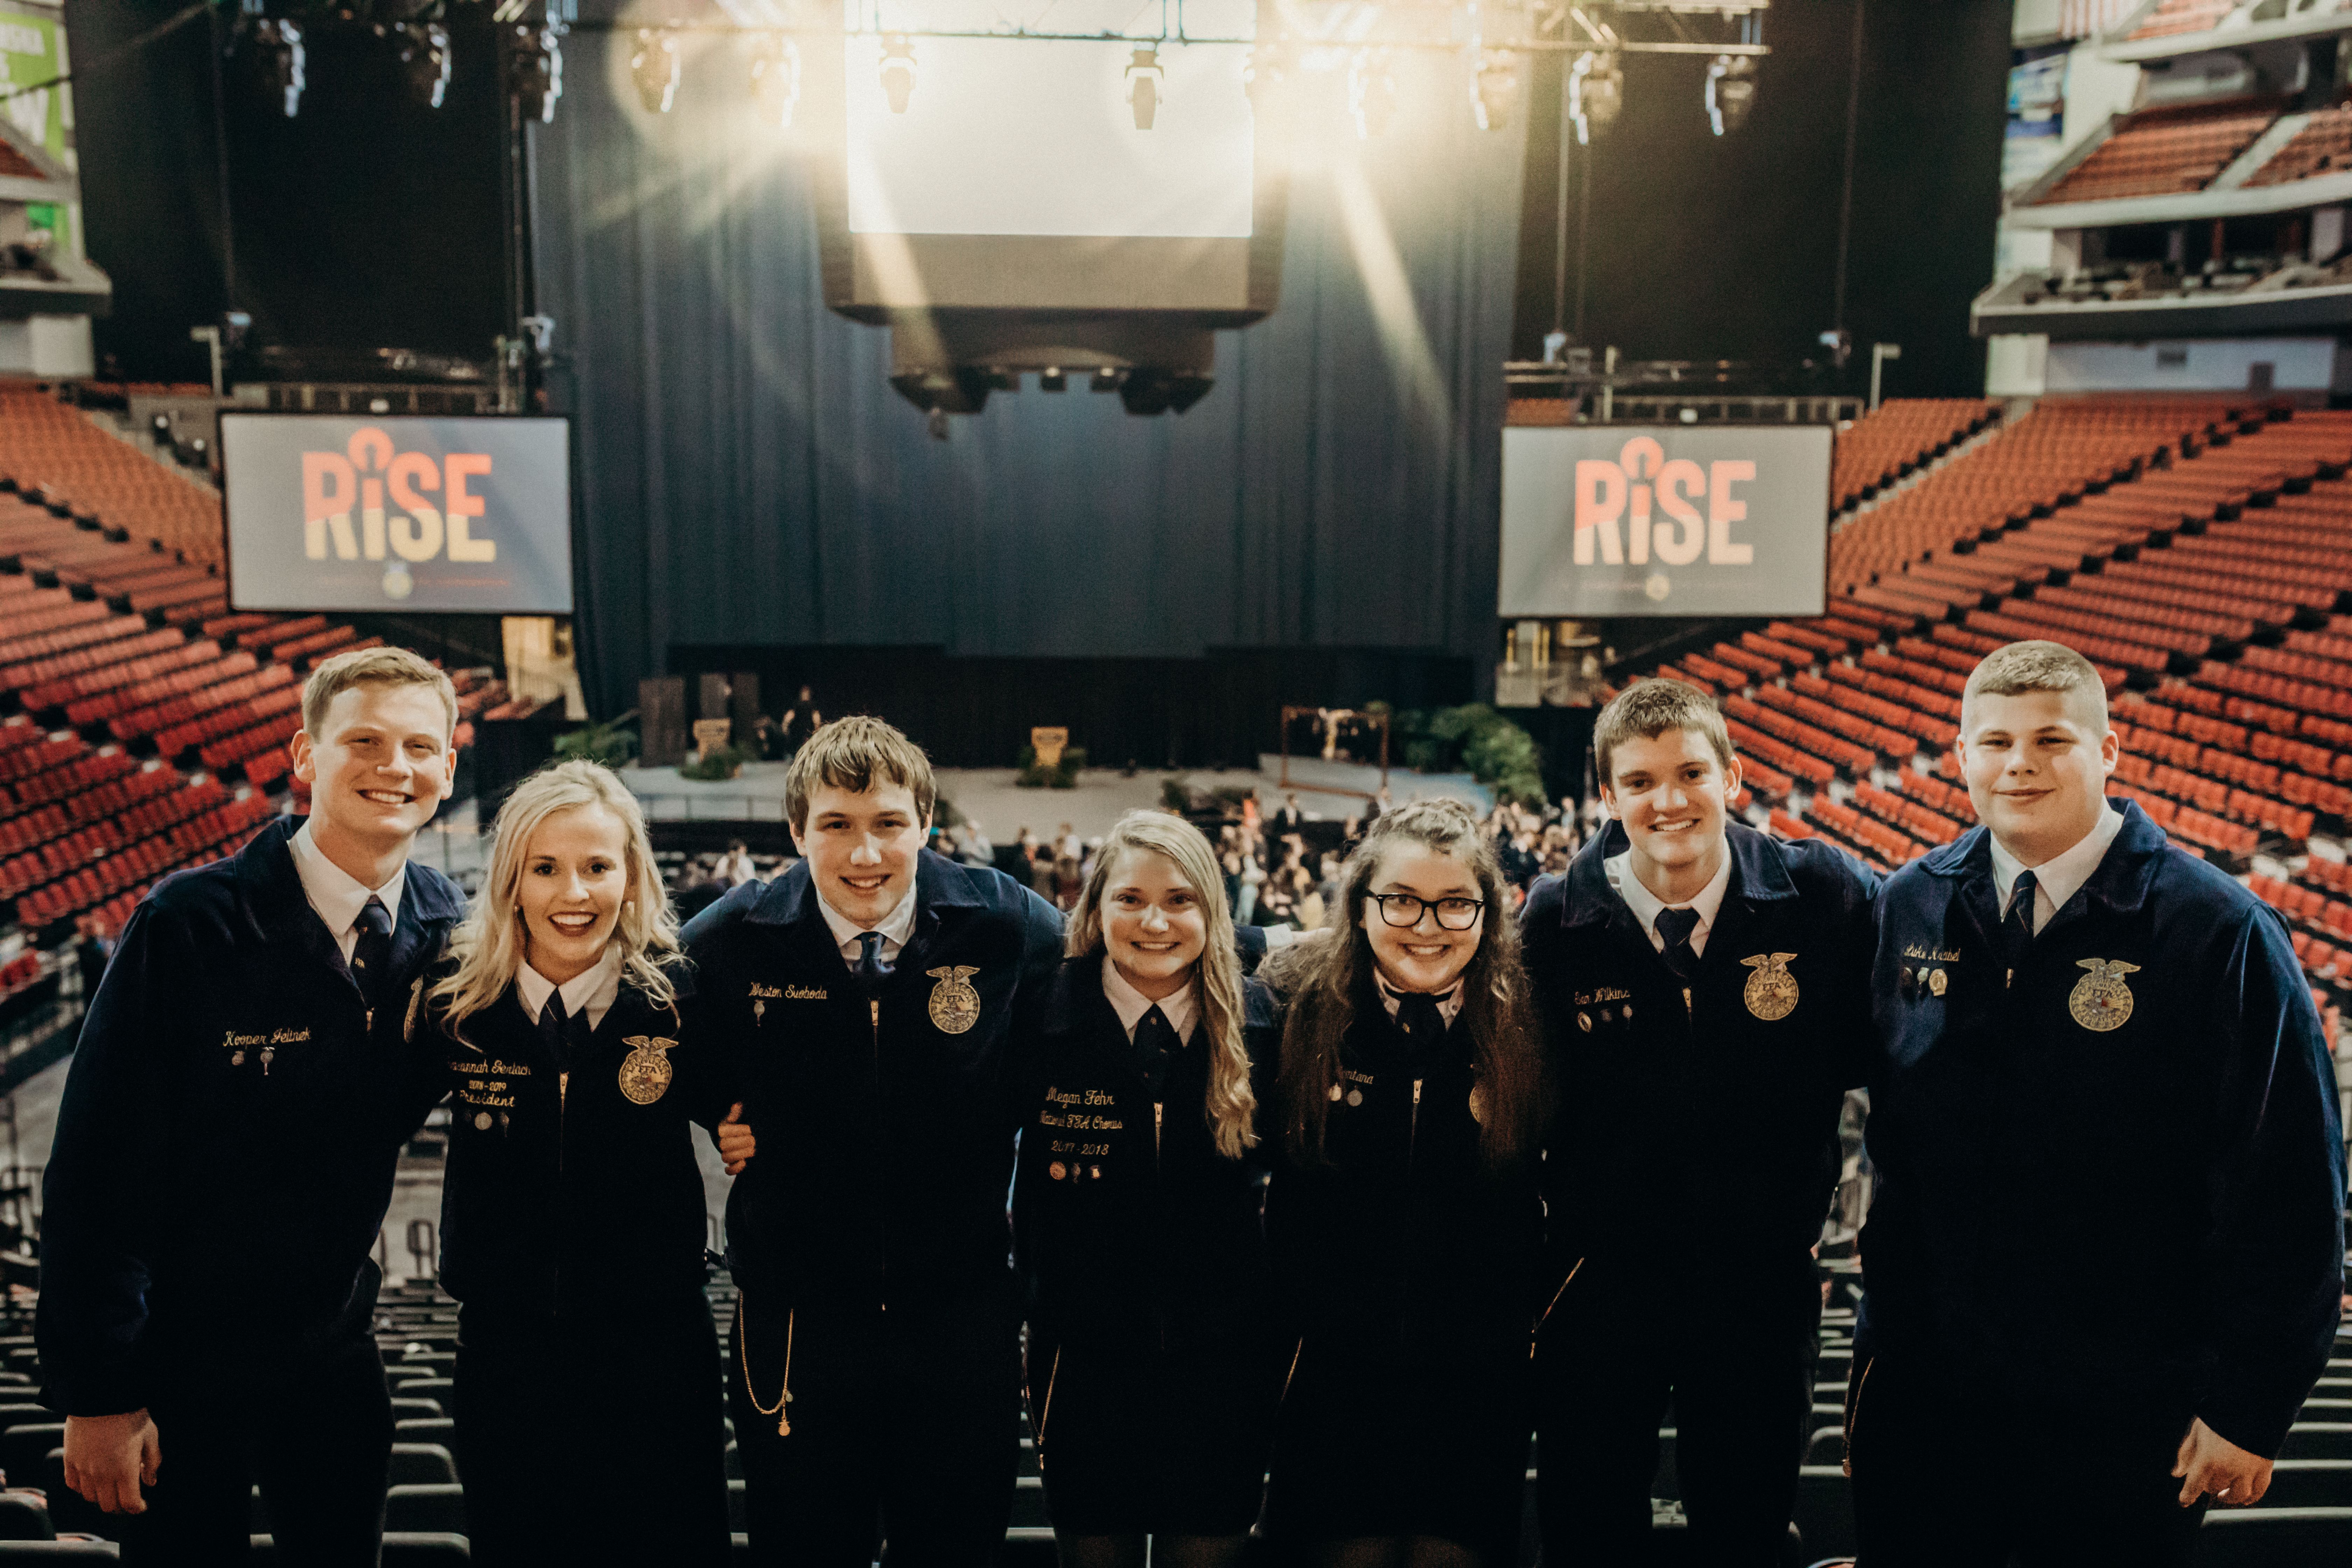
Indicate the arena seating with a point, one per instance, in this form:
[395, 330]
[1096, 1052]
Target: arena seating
[1897, 438]
[2163, 152]
[2324, 146]
[125, 666]
[2173, 17]
[2199, 552]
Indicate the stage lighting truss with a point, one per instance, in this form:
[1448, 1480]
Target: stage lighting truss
[897, 70]
[654, 67]
[776, 78]
[1147, 83]
[423, 48]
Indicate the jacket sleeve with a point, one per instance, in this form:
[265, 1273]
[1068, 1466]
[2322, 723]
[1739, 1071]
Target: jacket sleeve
[1041, 958]
[107, 1180]
[2274, 1257]
[1856, 1046]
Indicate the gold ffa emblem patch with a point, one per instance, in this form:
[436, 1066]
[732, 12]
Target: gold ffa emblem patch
[1771, 993]
[955, 1006]
[2100, 1000]
[645, 1072]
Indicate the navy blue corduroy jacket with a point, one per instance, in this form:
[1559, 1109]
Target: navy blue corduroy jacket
[1694, 1128]
[225, 1147]
[2115, 1179]
[885, 1123]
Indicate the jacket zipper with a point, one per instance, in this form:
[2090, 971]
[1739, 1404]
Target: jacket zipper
[882, 1215]
[1413, 1128]
[562, 1103]
[1158, 1111]
[1045, 1411]
[1535, 1332]
[1688, 1012]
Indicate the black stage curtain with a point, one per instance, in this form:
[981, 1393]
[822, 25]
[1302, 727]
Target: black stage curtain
[747, 477]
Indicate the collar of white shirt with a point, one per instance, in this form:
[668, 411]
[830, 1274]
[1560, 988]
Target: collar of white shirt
[594, 988]
[1131, 1005]
[336, 895]
[1448, 1005]
[896, 928]
[1646, 904]
[2056, 879]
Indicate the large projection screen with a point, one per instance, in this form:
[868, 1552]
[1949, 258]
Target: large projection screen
[1666, 519]
[344, 513]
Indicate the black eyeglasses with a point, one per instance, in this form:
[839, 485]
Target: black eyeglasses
[1404, 909]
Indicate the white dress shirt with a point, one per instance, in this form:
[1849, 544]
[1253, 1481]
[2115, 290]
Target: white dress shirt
[1448, 1005]
[1646, 904]
[2056, 879]
[336, 896]
[896, 928]
[1131, 1005]
[593, 989]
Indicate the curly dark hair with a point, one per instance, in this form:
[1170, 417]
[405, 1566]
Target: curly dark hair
[1323, 982]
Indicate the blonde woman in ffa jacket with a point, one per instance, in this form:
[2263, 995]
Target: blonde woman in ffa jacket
[1153, 1363]
[1403, 1218]
[588, 1402]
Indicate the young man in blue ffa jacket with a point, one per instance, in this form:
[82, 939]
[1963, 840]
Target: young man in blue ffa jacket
[1704, 991]
[226, 1148]
[2104, 1257]
[879, 1002]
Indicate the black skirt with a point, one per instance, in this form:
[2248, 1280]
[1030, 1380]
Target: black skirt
[1376, 1441]
[1137, 1442]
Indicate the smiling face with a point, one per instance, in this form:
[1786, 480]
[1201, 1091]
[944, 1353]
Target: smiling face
[575, 877]
[1423, 956]
[2037, 765]
[1672, 794]
[379, 766]
[1154, 924]
[861, 849]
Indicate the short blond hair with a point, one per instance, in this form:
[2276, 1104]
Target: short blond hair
[370, 667]
[1647, 709]
[2036, 666]
[858, 754]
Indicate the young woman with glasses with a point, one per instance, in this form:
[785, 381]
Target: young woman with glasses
[1403, 1218]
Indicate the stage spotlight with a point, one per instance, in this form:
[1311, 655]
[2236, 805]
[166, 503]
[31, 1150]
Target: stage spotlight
[535, 70]
[654, 67]
[1730, 92]
[279, 60]
[1053, 378]
[897, 70]
[1371, 92]
[1106, 378]
[776, 78]
[1145, 80]
[1494, 88]
[1596, 92]
[425, 60]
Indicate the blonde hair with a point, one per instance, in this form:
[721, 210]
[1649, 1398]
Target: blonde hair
[2035, 666]
[1233, 1104]
[370, 667]
[1647, 709]
[489, 945]
[857, 754]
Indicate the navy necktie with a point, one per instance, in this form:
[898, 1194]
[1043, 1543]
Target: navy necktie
[1675, 928]
[565, 1035]
[869, 967]
[371, 953]
[2017, 925]
[1155, 1045]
